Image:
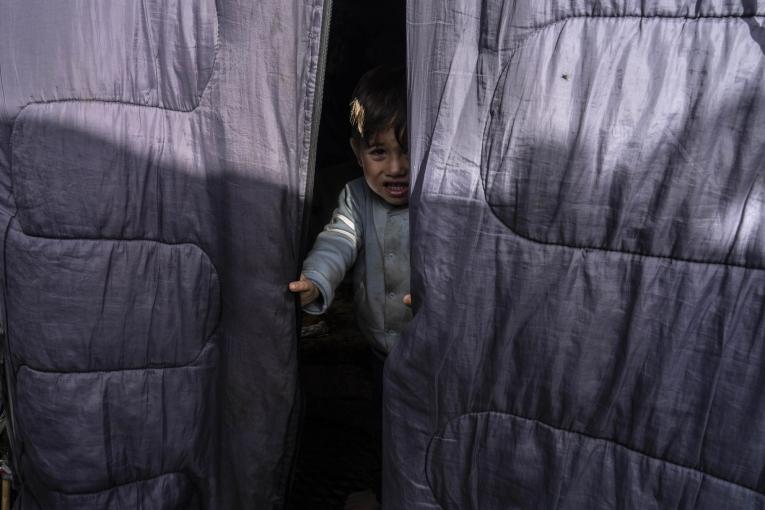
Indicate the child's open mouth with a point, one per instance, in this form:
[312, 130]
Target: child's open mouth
[396, 189]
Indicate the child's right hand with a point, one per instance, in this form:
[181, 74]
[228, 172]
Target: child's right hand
[306, 288]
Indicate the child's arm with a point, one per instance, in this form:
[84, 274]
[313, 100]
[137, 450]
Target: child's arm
[332, 255]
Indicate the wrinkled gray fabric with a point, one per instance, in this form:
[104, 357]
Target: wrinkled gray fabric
[587, 258]
[153, 161]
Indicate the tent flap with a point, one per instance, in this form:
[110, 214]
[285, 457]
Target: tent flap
[153, 164]
[587, 258]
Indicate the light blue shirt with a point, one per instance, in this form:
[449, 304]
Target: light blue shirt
[372, 236]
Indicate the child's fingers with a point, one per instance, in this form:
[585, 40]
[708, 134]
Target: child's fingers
[408, 300]
[306, 288]
[308, 297]
[300, 286]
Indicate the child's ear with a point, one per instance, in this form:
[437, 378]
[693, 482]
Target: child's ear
[356, 150]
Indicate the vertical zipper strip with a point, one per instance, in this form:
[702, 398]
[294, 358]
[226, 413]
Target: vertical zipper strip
[315, 124]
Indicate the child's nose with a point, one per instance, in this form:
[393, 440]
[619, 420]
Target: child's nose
[399, 166]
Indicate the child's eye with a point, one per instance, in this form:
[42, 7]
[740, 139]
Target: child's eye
[377, 152]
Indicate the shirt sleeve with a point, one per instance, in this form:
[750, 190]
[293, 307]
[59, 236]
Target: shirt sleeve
[334, 252]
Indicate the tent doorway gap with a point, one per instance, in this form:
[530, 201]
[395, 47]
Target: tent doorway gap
[337, 452]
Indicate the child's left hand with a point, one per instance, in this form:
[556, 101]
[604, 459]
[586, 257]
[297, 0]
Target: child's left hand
[408, 300]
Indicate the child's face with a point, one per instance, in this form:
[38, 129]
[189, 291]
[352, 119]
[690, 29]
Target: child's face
[386, 166]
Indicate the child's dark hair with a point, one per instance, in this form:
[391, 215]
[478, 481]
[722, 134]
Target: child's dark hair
[379, 103]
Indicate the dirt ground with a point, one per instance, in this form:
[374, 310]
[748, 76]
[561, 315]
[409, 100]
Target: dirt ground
[337, 454]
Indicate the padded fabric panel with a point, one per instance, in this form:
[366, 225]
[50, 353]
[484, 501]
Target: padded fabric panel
[114, 171]
[123, 419]
[496, 453]
[531, 305]
[145, 304]
[613, 157]
[153, 158]
[173, 491]
[150, 52]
